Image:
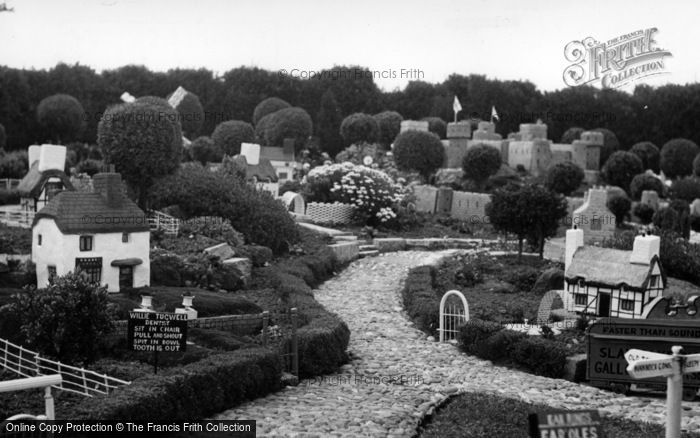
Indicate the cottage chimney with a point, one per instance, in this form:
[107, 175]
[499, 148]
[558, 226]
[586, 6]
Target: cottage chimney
[574, 241]
[644, 249]
[52, 157]
[33, 154]
[251, 152]
[109, 185]
[288, 147]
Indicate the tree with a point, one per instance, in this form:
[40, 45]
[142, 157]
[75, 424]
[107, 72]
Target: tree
[666, 219]
[191, 114]
[644, 212]
[677, 157]
[204, 150]
[619, 206]
[687, 189]
[3, 137]
[648, 152]
[643, 182]
[154, 100]
[610, 144]
[291, 122]
[228, 136]
[437, 126]
[696, 162]
[328, 124]
[141, 143]
[620, 168]
[389, 125]
[419, 151]
[530, 212]
[359, 128]
[564, 177]
[62, 117]
[481, 162]
[268, 106]
[571, 134]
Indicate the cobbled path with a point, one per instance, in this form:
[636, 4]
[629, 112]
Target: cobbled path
[396, 376]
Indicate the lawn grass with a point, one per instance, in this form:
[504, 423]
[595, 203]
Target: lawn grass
[476, 415]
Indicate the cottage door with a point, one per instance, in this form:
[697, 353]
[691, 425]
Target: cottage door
[603, 304]
[126, 277]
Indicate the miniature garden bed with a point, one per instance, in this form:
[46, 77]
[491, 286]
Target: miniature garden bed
[476, 415]
[222, 368]
[15, 240]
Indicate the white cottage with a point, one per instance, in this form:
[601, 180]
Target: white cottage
[259, 170]
[45, 178]
[283, 160]
[609, 282]
[102, 233]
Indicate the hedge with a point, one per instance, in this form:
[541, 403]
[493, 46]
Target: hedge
[420, 301]
[191, 392]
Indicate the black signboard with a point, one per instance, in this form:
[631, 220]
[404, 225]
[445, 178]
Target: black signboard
[609, 339]
[561, 423]
[157, 332]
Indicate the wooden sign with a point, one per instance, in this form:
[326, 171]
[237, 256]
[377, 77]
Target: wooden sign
[643, 369]
[609, 340]
[560, 423]
[157, 332]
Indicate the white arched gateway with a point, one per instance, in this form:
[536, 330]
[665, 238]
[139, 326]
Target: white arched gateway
[452, 314]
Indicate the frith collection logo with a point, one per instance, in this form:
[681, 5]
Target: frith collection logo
[616, 62]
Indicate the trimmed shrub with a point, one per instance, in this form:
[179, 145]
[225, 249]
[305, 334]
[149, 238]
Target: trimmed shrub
[543, 357]
[644, 212]
[644, 182]
[258, 255]
[677, 157]
[165, 270]
[67, 319]
[228, 136]
[572, 134]
[62, 117]
[610, 144]
[620, 169]
[696, 166]
[619, 206]
[500, 345]
[437, 126]
[268, 106]
[204, 150]
[564, 177]
[389, 126]
[359, 127]
[286, 123]
[480, 162]
[420, 301]
[142, 144]
[666, 219]
[195, 390]
[154, 100]
[475, 332]
[191, 115]
[419, 151]
[648, 152]
[687, 189]
[13, 164]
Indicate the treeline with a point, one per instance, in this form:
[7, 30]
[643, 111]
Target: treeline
[648, 114]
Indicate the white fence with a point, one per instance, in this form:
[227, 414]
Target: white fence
[452, 315]
[161, 221]
[17, 217]
[28, 363]
[45, 382]
[9, 183]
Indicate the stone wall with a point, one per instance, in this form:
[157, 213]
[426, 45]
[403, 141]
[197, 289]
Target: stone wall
[470, 206]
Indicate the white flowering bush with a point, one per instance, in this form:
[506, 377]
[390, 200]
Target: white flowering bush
[371, 191]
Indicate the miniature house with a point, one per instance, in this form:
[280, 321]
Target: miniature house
[102, 233]
[282, 159]
[45, 178]
[594, 217]
[609, 282]
[259, 171]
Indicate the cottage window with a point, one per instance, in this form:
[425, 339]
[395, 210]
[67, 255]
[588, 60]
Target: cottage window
[581, 299]
[652, 283]
[627, 305]
[283, 175]
[38, 240]
[91, 266]
[86, 243]
[125, 237]
[596, 224]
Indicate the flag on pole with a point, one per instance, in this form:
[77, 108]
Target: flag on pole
[494, 114]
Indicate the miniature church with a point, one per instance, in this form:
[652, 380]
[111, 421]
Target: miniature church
[607, 282]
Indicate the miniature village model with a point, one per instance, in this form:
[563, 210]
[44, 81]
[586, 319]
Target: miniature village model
[102, 233]
[45, 178]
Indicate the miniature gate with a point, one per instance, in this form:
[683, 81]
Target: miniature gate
[452, 314]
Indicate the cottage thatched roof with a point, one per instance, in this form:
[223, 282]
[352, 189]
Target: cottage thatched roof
[606, 266]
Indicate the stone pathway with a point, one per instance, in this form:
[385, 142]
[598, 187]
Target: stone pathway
[396, 376]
